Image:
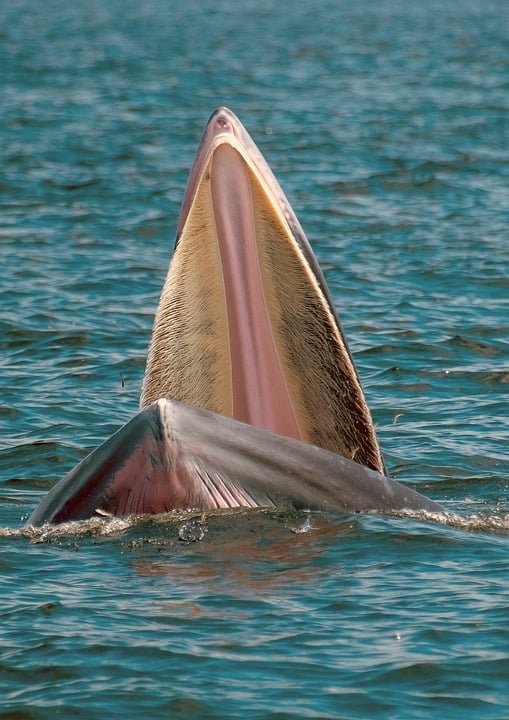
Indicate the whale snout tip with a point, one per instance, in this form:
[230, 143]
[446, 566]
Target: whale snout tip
[222, 120]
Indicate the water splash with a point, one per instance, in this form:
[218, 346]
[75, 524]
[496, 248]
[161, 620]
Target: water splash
[192, 526]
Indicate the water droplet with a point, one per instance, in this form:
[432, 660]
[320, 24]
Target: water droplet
[192, 531]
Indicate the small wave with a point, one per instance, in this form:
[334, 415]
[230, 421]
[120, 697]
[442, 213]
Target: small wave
[81, 528]
[476, 522]
[479, 523]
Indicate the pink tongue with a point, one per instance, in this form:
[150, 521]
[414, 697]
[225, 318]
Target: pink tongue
[260, 396]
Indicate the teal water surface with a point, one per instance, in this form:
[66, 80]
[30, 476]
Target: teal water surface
[387, 125]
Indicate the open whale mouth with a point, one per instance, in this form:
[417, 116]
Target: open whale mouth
[245, 325]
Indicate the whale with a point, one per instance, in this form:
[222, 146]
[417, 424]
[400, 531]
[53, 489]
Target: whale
[250, 397]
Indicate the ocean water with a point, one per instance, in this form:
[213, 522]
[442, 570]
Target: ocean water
[387, 124]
